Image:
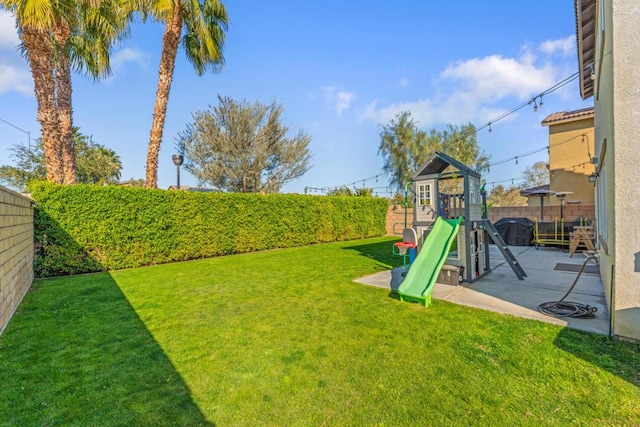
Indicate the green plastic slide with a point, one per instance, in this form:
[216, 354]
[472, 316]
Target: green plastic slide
[418, 284]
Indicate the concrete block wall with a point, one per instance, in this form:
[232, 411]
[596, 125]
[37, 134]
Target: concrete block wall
[395, 220]
[16, 251]
[571, 212]
[395, 217]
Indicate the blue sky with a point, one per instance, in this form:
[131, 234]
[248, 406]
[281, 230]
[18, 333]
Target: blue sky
[341, 69]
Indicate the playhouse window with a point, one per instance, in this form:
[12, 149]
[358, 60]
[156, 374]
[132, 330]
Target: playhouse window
[424, 194]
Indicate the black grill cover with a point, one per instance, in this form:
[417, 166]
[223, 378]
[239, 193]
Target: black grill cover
[516, 231]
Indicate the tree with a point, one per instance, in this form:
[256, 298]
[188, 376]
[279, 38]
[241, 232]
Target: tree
[500, 196]
[405, 148]
[56, 36]
[346, 191]
[535, 175]
[204, 23]
[243, 147]
[96, 164]
[133, 182]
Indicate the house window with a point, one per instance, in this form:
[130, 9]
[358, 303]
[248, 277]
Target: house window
[424, 194]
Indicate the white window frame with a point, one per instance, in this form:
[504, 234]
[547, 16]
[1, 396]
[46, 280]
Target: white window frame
[424, 194]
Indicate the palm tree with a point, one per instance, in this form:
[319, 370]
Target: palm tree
[86, 46]
[58, 35]
[96, 164]
[39, 52]
[204, 23]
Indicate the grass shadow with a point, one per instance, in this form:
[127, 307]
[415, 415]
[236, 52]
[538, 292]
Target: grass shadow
[619, 358]
[77, 353]
[380, 252]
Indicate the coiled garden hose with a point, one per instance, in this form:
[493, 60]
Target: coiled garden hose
[564, 308]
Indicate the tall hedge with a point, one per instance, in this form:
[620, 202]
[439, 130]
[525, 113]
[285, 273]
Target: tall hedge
[84, 228]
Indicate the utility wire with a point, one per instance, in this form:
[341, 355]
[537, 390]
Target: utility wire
[21, 130]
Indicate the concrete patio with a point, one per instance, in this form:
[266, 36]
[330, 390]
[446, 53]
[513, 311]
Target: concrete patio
[502, 292]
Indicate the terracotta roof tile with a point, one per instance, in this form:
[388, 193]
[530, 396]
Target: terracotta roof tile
[567, 116]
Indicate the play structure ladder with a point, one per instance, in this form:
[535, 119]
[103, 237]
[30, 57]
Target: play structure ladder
[506, 252]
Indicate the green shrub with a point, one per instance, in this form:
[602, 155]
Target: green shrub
[85, 228]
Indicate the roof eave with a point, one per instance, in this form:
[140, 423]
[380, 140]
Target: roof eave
[585, 41]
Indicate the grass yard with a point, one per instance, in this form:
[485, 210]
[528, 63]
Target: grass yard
[286, 338]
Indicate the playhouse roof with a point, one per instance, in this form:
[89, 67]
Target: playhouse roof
[438, 162]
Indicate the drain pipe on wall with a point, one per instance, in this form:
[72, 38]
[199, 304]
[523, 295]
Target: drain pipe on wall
[612, 307]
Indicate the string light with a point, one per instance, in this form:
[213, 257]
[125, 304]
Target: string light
[353, 184]
[489, 124]
[514, 110]
[512, 180]
[529, 153]
[515, 158]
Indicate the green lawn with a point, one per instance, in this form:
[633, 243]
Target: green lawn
[286, 338]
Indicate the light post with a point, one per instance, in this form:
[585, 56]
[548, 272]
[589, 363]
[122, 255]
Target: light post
[178, 160]
[562, 196]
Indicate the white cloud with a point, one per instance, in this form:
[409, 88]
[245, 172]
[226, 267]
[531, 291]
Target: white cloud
[469, 90]
[15, 78]
[341, 100]
[128, 55]
[14, 71]
[495, 77]
[566, 46]
[8, 34]
[428, 112]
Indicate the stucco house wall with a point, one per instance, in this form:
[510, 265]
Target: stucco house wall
[617, 121]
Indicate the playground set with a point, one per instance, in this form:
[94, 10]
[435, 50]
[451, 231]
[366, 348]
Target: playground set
[443, 215]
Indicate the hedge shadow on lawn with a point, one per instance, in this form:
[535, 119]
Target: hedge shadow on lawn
[619, 358]
[380, 251]
[76, 352]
